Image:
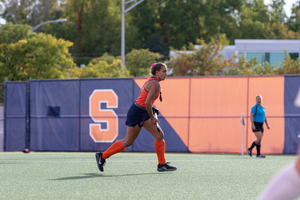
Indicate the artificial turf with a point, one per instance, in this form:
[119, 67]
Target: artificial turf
[50, 175]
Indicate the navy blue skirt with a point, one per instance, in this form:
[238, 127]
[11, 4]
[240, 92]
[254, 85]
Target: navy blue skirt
[136, 115]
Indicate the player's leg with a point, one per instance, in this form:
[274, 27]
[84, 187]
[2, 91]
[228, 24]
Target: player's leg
[159, 144]
[131, 135]
[257, 141]
[259, 136]
[249, 150]
[254, 143]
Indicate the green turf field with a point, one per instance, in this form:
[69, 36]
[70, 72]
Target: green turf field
[134, 176]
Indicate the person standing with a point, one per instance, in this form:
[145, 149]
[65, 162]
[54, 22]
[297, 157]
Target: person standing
[141, 115]
[257, 118]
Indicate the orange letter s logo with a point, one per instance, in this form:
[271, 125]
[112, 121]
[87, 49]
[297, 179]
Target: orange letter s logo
[107, 115]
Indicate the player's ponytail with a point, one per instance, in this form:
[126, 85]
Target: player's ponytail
[160, 96]
[156, 67]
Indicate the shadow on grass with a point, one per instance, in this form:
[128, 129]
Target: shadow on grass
[96, 175]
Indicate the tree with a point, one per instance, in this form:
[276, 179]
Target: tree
[277, 13]
[95, 28]
[15, 11]
[139, 61]
[185, 21]
[10, 33]
[103, 67]
[252, 20]
[28, 11]
[289, 66]
[39, 57]
[278, 30]
[251, 67]
[206, 61]
[294, 21]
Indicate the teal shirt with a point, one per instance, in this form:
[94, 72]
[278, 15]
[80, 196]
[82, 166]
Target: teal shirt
[259, 113]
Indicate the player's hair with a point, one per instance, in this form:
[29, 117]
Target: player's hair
[258, 96]
[156, 67]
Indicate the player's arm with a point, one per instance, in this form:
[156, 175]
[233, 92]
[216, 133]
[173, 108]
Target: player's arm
[266, 121]
[298, 164]
[153, 90]
[251, 119]
[298, 161]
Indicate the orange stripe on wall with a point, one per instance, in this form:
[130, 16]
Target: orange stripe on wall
[205, 111]
[215, 135]
[272, 91]
[216, 107]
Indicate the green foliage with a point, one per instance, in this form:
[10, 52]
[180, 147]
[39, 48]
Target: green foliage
[39, 57]
[293, 22]
[251, 67]
[277, 13]
[15, 11]
[278, 30]
[10, 33]
[30, 11]
[181, 22]
[105, 57]
[139, 61]
[252, 20]
[103, 67]
[205, 61]
[95, 28]
[289, 66]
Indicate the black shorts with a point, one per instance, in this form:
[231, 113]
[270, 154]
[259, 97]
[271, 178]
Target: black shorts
[136, 115]
[258, 127]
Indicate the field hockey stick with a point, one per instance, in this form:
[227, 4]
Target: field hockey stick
[156, 112]
[157, 126]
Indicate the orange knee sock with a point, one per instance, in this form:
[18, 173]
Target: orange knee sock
[113, 149]
[160, 151]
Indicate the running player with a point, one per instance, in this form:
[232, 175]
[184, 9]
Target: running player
[141, 115]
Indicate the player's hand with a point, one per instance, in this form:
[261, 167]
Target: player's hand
[253, 127]
[268, 127]
[154, 120]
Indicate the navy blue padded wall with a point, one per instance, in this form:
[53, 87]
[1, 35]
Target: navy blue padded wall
[50, 130]
[292, 115]
[15, 116]
[123, 90]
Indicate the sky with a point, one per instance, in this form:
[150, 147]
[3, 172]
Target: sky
[287, 7]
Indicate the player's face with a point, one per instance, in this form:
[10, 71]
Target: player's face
[258, 100]
[162, 73]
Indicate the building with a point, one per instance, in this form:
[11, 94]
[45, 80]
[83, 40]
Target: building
[264, 50]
